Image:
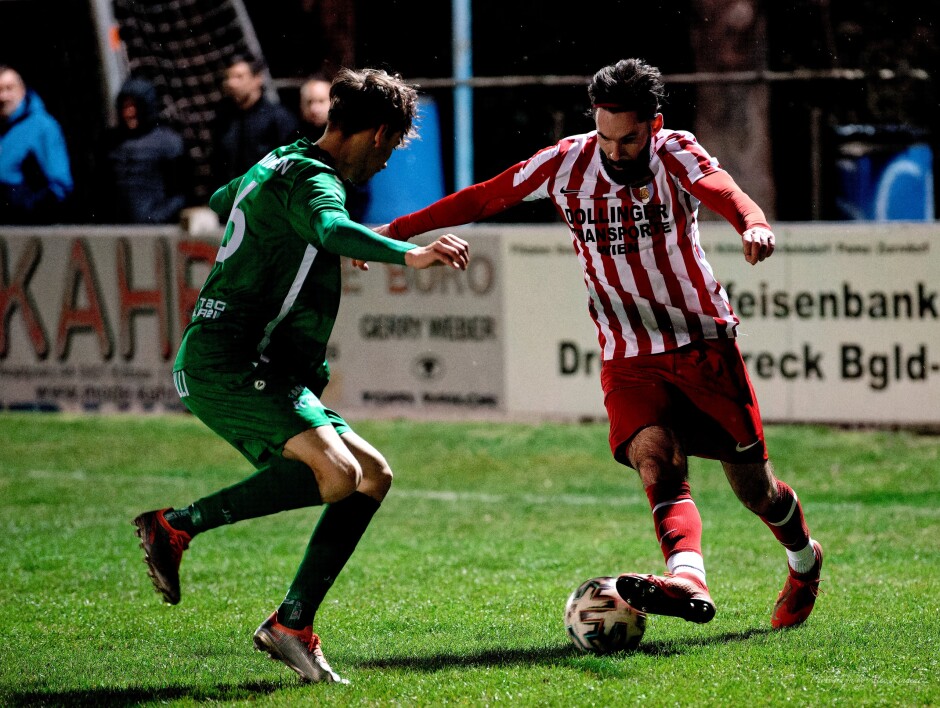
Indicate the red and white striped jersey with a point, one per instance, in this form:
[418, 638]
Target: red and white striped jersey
[650, 287]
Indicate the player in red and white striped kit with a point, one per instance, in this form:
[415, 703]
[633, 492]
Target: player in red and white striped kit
[674, 381]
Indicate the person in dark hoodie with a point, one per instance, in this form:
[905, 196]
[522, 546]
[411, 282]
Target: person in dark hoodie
[247, 125]
[35, 172]
[145, 162]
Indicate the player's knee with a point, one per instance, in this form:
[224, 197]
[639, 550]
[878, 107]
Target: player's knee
[763, 494]
[337, 488]
[376, 477]
[339, 479]
[754, 485]
[657, 456]
[661, 470]
[383, 481]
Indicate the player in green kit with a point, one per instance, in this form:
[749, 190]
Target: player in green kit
[252, 363]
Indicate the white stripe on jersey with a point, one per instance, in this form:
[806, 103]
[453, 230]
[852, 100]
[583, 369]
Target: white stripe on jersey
[179, 380]
[310, 255]
[672, 142]
[531, 167]
[607, 326]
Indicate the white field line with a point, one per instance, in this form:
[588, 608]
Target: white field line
[455, 497]
[441, 495]
[463, 497]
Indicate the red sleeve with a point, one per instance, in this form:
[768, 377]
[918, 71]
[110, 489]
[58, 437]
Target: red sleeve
[470, 204]
[720, 193]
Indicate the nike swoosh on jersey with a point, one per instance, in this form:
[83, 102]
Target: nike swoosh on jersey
[570, 191]
[741, 448]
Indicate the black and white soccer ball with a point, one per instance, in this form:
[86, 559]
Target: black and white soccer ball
[597, 619]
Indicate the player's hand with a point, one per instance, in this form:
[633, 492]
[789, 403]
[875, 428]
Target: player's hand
[758, 244]
[447, 250]
[361, 265]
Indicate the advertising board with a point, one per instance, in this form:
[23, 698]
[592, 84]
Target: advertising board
[841, 325]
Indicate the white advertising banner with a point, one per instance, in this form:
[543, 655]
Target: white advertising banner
[425, 343]
[841, 325]
[91, 318]
[552, 355]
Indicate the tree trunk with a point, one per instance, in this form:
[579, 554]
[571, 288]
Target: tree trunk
[732, 118]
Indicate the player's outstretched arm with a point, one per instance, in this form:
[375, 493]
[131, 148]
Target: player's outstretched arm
[381, 231]
[447, 250]
[720, 193]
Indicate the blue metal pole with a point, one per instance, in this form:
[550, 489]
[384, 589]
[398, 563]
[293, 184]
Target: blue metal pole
[463, 93]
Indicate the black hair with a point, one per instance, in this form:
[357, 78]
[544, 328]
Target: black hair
[628, 85]
[257, 66]
[316, 76]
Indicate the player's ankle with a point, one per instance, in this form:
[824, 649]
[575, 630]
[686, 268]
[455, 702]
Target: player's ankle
[693, 576]
[181, 520]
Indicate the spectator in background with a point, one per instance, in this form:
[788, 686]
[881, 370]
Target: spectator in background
[247, 125]
[314, 106]
[35, 173]
[145, 163]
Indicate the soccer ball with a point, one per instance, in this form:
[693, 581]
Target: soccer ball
[598, 620]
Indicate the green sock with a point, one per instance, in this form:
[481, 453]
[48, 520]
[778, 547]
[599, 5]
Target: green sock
[340, 527]
[280, 485]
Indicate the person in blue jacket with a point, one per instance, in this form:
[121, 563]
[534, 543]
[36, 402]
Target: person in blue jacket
[35, 173]
[146, 168]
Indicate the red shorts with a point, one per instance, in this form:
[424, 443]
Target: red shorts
[700, 391]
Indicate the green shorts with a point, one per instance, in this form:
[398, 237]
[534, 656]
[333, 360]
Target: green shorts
[255, 416]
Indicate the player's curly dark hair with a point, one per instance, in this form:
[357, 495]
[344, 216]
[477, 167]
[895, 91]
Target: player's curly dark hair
[368, 98]
[628, 85]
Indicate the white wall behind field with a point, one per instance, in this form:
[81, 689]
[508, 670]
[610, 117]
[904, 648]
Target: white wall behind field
[841, 325]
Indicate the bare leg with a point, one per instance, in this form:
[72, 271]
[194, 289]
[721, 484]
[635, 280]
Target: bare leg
[334, 465]
[753, 483]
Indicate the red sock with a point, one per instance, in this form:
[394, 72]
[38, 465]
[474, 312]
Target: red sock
[785, 519]
[677, 521]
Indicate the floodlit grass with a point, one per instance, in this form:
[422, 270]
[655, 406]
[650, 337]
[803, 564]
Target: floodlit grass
[456, 593]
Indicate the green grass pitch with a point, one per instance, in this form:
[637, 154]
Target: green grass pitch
[456, 593]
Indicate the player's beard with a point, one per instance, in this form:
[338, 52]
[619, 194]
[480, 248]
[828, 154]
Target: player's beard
[630, 173]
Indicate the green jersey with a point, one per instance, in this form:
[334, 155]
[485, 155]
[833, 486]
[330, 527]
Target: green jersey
[272, 295]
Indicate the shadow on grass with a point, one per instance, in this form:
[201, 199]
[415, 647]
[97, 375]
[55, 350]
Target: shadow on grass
[549, 655]
[132, 695]
[436, 662]
[673, 647]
